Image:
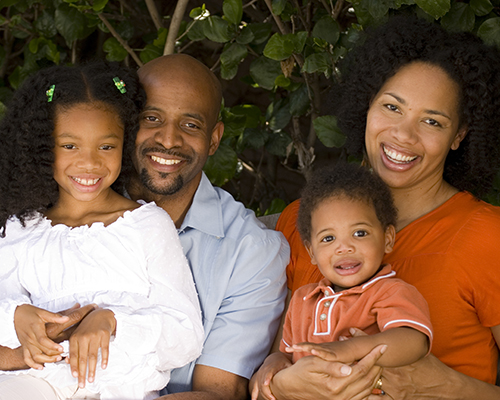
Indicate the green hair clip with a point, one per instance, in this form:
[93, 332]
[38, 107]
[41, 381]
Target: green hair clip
[50, 93]
[120, 85]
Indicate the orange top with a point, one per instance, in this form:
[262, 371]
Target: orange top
[452, 256]
[318, 314]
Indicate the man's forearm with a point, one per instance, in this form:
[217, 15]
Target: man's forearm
[11, 359]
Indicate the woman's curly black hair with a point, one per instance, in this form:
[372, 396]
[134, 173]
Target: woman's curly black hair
[475, 67]
[345, 180]
[27, 185]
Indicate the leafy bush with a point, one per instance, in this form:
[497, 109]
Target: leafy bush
[276, 58]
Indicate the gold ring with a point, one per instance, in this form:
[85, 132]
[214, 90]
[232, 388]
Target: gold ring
[378, 385]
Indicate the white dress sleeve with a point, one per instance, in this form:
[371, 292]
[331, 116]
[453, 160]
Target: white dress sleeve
[12, 293]
[168, 326]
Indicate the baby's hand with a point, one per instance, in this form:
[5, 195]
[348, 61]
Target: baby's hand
[260, 382]
[29, 322]
[341, 351]
[92, 334]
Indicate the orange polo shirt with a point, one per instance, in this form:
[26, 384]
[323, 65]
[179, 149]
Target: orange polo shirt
[318, 314]
[452, 256]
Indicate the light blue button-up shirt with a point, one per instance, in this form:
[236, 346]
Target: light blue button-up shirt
[239, 270]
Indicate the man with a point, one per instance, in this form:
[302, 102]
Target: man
[238, 267]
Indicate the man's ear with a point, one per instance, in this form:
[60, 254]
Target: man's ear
[216, 137]
[308, 247]
[462, 132]
[390, 238]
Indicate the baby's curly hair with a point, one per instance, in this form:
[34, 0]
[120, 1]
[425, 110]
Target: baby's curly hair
[27, 185]
[345, 180]
[475, 67]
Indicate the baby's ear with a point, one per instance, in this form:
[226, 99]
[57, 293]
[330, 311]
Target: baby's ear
[390, 237]
[309, 249]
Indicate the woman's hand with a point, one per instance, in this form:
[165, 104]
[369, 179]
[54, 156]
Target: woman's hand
[92, 334]
[38, 348]
[312, 378]
[259, 384]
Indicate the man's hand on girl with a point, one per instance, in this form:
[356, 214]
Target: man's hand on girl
[38, 348]
[92, 334]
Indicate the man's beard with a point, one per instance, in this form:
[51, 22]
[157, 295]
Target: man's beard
[173, 188]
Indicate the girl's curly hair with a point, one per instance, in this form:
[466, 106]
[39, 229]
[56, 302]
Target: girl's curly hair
[27, 185]
[353, 181]
[475, 67]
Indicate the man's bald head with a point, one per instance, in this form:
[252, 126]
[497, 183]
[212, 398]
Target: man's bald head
[189, 71]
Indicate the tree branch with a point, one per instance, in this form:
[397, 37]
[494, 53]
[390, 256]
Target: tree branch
[175, 25]
[120, 40]
[155, 15]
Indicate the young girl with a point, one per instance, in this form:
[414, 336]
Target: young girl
[70, 237]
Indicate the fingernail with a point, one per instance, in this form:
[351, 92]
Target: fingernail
[352, 331]
[75, 374]
[383, 349]
[345, 370]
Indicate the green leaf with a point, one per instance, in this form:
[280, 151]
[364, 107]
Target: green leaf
[264, 72]
[277, 205]
[233, 54]
[221, 167]
[44, 25]
[261, 32]
[277, 143]
[251, 113]
[245, 36]
[327, 29]
[377, 8]
[233, 10]
[234, 124]
[459, 18]
[299, 101]
[150, 52]
[481, 7]
[71, 24]
[278, 6]
[228, 71]
[318, 62]
[282, 81]
[278, 115]
[216, 29]
[436, 8]
[126, 30]
[7, 3]
[98, 5]
[280, 47]
[254, 138]
[114, 50]
[489, 31]
[328, 132]
[162, 38]
[354, 36]
[197, 31]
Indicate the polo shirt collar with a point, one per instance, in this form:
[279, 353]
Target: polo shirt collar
[205, 213]
[325, 288]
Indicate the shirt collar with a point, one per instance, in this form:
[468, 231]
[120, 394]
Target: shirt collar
[325, 286]
[205, 213]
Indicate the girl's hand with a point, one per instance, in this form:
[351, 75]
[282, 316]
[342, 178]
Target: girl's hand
[92, 334]
[259, 385]
[29, 322]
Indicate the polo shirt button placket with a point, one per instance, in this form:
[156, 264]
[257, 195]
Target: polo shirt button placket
[327, 304]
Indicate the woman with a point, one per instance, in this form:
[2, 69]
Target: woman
[422, 106]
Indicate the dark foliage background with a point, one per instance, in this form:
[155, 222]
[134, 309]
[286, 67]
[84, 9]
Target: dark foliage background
[275, 58]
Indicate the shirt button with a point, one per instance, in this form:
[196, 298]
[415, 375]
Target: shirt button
[322, 317]
[327, 304]
[327, 293]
